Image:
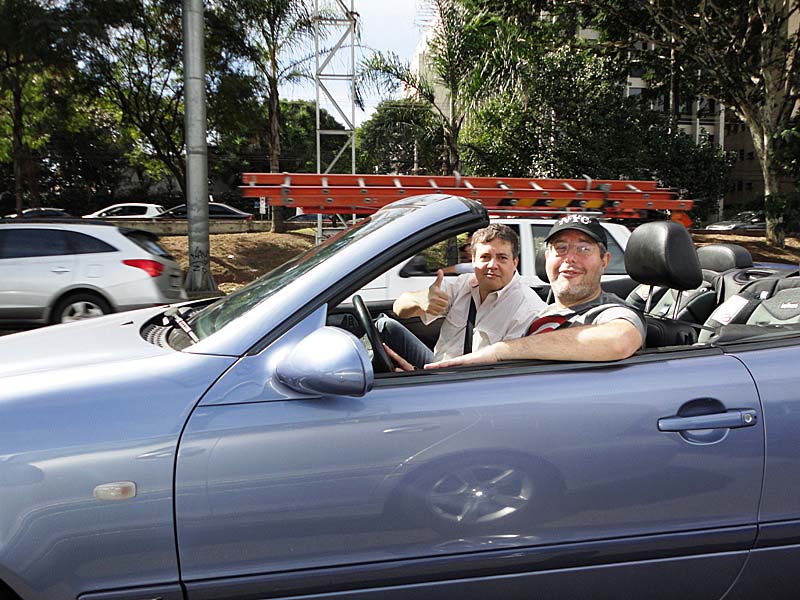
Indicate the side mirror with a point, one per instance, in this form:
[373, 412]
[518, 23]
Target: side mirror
[327, 361]
[415, 267]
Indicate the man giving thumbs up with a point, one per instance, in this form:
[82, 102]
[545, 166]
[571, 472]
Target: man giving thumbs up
[479, 308]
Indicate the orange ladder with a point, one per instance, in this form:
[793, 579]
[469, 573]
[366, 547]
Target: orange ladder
[334, 193]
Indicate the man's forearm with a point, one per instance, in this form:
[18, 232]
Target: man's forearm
[614, 340]
[409, 304]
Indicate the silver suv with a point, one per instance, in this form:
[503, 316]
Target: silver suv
[54, 272]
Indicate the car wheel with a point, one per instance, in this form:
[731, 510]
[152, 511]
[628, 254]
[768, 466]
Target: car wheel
[489, 493]
[78, 307]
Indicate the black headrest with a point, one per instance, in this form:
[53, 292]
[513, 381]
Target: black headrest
[539, 264]
[662, 253]
[722, 257]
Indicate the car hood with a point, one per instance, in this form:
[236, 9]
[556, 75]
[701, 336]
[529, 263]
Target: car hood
[95, 341]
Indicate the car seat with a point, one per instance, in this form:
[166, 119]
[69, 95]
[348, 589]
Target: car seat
[771, 301]
[696, 305]
[662, 254]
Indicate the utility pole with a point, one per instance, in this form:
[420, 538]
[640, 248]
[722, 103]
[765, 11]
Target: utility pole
[198, 279]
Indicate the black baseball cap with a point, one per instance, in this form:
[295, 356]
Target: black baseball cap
[588, 225]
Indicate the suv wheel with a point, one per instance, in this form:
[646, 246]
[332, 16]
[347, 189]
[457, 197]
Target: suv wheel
[78, 307]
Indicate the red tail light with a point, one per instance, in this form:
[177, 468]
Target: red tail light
[151, 267]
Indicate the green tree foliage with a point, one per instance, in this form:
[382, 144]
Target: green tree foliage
[402, 136]
[744, 55]
[268, 41]
[136, 64]
[574, 121]
[454, 56]
[33, 43]
[241, 137]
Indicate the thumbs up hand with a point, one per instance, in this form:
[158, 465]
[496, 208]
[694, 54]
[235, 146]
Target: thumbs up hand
[437, 300]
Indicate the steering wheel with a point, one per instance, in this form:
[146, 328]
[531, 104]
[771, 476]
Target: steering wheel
[381, 362]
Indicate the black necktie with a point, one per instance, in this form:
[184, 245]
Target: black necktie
[470, 326]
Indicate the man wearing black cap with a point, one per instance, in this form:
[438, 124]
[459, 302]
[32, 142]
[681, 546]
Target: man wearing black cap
[584, 323]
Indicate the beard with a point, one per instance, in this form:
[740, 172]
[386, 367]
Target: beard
[570, 293]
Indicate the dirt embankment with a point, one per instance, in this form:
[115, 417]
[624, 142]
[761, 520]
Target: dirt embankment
[238, 258]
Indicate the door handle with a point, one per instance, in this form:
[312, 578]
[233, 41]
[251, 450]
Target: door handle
[730, 419]
[60, 270]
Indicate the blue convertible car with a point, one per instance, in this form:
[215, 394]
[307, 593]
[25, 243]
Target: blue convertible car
[254, 447]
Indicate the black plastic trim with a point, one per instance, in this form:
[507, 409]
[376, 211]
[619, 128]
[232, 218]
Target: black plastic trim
[781, 533]
[474, 565]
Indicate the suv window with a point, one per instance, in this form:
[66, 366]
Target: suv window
[147, 242]
[80, 243]
[615, 267]
[446, 253]
[26, 243]
[23, 243]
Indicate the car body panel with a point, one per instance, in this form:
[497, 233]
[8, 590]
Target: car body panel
[216, 210]
[774, 370]
[748, 220]
[32, 286]
[336, 502]
[43, 212]
[28, 285]
[556, 477]
[127, 210]
[57, 443]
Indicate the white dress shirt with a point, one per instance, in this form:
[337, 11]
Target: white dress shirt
[505, 314]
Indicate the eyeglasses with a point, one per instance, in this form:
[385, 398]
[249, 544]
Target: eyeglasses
[582, 249]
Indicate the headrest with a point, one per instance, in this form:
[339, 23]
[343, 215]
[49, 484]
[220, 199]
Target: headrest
[722, 257]
[662, 253]
[539, 264]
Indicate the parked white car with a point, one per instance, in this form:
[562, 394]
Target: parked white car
[417, 272]
[127, 210]
[54, 272]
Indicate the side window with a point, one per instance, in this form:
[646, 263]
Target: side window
[454, 255]
[449, 252]
[26, 243]
[178, 211]
[112, 212]
[86, 244]
[617, 264]
[615, 267]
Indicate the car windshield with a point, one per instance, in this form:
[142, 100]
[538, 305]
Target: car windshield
[223, 311]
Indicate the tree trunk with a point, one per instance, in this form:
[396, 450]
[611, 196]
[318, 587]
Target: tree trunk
[764, 145]
[17, 145]
[278, 212]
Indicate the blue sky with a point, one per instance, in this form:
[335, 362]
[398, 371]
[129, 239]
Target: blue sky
[387, 25]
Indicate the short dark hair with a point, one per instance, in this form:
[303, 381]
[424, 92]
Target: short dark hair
[496, 231]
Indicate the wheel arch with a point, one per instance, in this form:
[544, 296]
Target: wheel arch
[74, 291]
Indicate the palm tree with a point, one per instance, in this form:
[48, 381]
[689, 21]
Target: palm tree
[453, 59]
[270, 35]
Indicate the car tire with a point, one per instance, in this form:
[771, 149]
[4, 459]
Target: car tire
[78, 307]
[493, 492]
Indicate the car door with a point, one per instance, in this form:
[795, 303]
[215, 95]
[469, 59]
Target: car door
[35, 264]
[572, 480]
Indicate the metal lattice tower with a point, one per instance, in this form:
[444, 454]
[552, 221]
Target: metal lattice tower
[335, 74]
